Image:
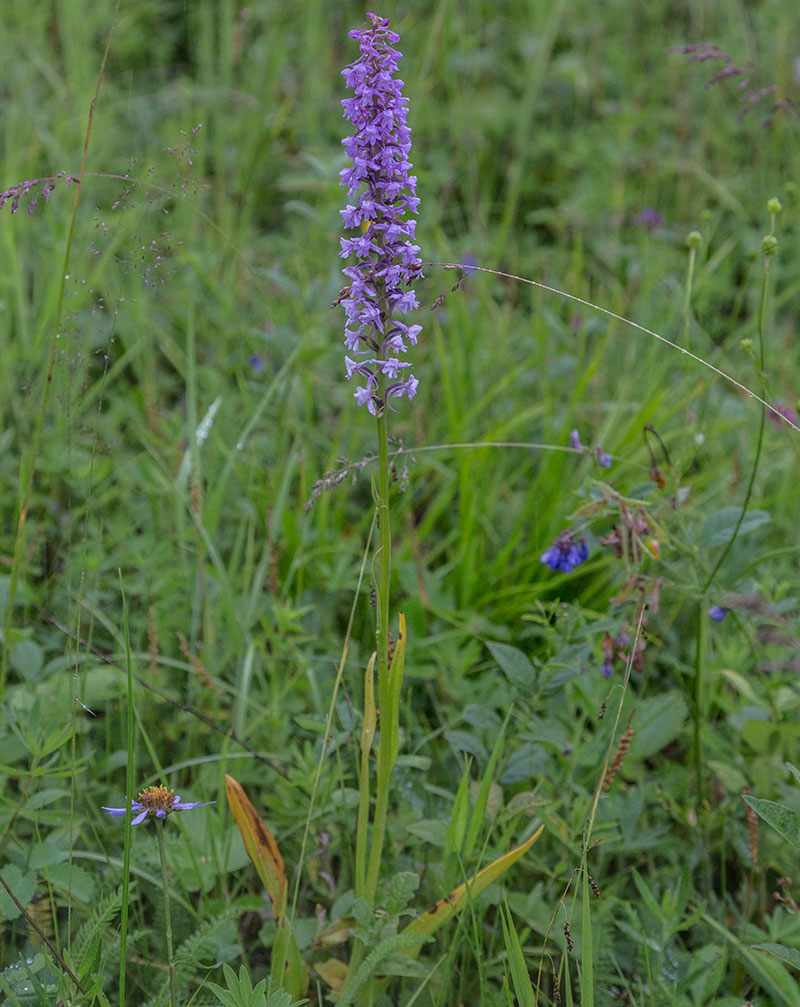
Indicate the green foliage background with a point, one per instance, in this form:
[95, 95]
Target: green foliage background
[202, 271]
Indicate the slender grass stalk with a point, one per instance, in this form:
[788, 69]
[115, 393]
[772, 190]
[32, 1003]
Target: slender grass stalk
[587, 954]
[699, 694]
[769, 246]
[162, 853]
[693, 241]
[367, 737]
[759, 440]
[130, 764]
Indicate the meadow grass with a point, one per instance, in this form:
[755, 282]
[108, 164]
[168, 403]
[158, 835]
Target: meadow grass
[172, 611]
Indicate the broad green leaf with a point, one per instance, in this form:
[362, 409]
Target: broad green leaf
[464, 742]
[658, 721]
[789, 955]
[784, 820]
[22, 885]
[708, 965]
[280, 998]
[401, 890]
[524, 764]
[515, 665]
[769, 738]
[720, 526]
[334, 972]
[482, 716]
[429, 830]
[75, 880]
[27, 659]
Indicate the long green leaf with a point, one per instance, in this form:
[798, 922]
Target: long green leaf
[439, 914]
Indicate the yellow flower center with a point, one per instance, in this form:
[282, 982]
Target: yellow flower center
[157, 798]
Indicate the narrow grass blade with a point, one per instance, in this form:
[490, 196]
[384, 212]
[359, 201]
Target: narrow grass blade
[516, 961]
[456, 830]
[587, 961]
[367, 737]
[433, 918]
[396, 670]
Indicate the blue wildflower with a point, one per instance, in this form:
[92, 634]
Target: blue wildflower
[469, 264]
[604, 460]
[387, 260]
[717, 613]
[649, 218]
[565, 553]
[158, 801]
[575, 441]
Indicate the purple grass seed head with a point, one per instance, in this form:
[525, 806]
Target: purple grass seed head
[386, 258]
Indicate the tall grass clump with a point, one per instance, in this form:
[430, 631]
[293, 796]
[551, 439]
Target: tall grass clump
[456, 668]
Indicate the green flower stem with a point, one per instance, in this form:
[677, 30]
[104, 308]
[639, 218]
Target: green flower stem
[162, 852]
[385, 703]
[699, 695]
[367, 888]
[700, 658]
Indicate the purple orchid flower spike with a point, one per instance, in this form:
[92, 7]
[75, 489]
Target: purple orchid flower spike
[158, 801]
[387, 260]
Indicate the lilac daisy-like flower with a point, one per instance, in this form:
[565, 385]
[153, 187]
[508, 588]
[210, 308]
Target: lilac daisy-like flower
[158, 801]
[565, 553]
[387, 260]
